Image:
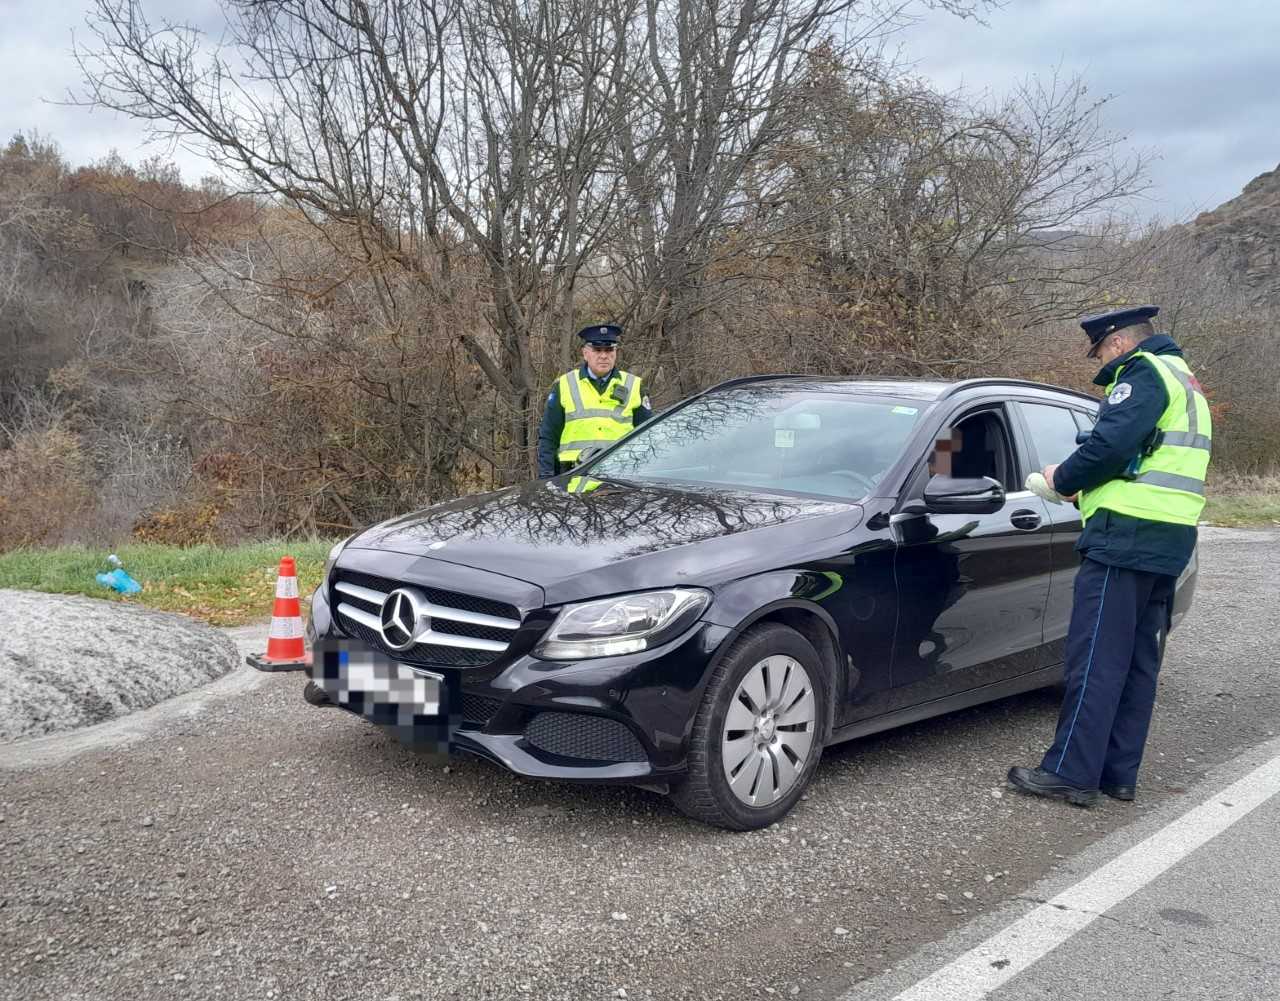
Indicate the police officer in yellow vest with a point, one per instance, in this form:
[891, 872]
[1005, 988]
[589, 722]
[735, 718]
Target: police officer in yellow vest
[1139, 482]
[594, 404]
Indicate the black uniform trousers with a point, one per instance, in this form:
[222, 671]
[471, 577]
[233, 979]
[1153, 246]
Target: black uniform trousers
[1113, 658]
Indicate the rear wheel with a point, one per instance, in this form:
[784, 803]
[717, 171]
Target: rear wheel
[759, 731]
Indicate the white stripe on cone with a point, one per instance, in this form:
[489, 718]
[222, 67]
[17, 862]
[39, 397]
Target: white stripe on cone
[285, 628]
[286, 587]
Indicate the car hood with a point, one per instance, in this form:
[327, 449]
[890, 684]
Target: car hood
[615, 536]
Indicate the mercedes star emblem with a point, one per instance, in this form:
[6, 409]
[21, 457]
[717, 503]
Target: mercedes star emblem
[400, 619]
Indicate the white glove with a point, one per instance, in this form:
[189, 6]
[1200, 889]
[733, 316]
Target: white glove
[1039, 486]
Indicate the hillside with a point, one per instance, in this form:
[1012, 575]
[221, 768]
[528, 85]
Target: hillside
[1244, 233]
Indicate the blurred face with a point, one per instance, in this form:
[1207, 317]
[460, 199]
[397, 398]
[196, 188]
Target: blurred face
[600, 358]
[944, 451]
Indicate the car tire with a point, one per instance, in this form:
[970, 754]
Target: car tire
[316, 695]
[707, 792]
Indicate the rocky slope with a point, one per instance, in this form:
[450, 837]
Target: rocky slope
[1244, 234]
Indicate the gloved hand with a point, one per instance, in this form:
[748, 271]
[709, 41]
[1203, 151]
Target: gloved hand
[1039, 486]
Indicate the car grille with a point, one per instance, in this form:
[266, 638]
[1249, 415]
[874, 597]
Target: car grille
[478, 709]
[576, 735]
[465, 630]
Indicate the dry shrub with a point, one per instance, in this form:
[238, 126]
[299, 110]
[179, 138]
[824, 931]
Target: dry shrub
[194, 523]
[44, 487]
[208, 515]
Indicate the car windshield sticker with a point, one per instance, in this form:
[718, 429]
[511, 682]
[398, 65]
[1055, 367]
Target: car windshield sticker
[909, 411]
[784, 439]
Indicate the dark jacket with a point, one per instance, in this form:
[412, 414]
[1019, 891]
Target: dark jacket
[553, 420]
[1122, 430]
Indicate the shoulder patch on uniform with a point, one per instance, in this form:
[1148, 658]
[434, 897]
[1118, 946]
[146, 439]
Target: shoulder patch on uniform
[551, 396]
[1120, 393]
[644, 402]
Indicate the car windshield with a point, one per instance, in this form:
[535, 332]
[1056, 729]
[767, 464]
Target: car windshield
[771, 437]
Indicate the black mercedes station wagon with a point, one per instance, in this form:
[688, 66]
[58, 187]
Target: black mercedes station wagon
[768, 568]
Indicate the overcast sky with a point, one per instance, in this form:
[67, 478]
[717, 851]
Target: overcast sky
[1196, 82]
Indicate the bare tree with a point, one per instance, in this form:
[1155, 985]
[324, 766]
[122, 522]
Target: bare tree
[933, 228]
[542, 137]
[711, 94]
[710, 112]
[428, 129]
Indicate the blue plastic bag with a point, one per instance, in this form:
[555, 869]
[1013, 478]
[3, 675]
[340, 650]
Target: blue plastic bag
[118, 580]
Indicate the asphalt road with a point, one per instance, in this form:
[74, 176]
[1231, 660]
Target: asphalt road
[237, 843]
[1183, 903]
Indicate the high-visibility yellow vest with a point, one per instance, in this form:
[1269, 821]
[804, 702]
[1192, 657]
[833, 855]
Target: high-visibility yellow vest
[1169, 485]
[590, 417]
[582, 485]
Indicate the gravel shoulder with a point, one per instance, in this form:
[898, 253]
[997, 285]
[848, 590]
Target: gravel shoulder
[69, 661]
[254, 846]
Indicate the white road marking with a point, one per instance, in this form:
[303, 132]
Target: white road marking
[990, 964]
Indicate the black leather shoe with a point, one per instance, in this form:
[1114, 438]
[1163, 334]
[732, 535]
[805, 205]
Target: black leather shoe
[1038, 782]
[1125, 793]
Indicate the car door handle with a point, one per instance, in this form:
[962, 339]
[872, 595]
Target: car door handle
[1025, 519]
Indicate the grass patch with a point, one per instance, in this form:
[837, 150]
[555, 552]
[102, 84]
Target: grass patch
[223, 586]
[1243, 502]
[1243, 511]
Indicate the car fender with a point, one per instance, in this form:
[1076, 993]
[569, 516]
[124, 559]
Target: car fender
[742, 603]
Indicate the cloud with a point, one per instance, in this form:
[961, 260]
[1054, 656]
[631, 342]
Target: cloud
[38, 75]
[1192, 82]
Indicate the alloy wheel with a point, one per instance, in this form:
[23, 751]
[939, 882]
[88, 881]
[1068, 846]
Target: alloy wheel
[768, 730]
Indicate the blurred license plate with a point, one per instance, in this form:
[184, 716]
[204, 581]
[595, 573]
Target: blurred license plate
[379, 680]
[412, 700]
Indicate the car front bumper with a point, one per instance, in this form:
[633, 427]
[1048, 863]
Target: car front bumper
[622, 719]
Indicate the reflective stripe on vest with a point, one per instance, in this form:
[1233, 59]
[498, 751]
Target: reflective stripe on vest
[1169, 484]
[591, 417]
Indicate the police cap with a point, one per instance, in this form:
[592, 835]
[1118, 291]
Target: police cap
[1098, 327]
[600, 333]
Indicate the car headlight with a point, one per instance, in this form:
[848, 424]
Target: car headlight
[332, 558]
[625, 624]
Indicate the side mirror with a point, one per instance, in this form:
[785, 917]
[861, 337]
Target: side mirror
[949, 495]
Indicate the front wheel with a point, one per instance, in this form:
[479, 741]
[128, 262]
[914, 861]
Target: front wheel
[758, 733]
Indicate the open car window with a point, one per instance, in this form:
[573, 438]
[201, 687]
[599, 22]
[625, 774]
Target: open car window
[773, 438]
[972, 445]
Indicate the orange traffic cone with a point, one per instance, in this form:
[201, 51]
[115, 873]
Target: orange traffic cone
[285, 648]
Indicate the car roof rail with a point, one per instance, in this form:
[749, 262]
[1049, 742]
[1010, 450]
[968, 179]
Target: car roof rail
[952, 389]
[965, 384]
[853, 380]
